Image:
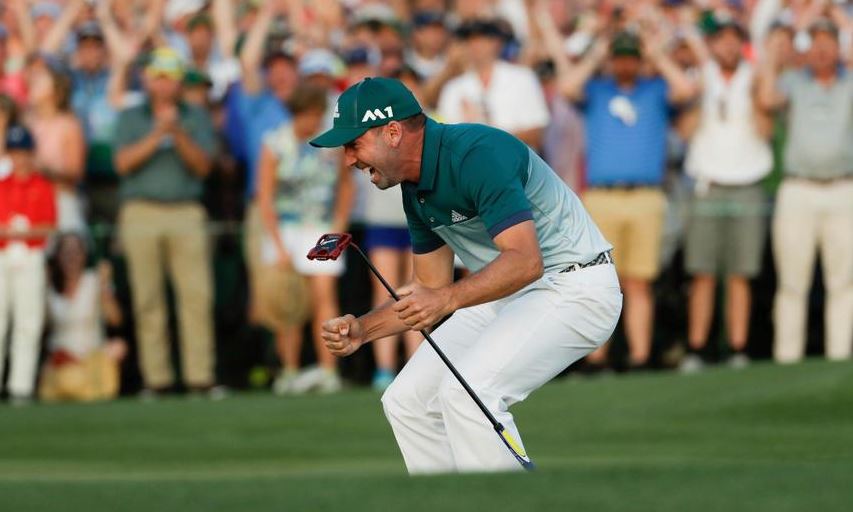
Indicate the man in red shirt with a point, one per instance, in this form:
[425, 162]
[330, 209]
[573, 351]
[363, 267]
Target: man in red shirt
[27, 217]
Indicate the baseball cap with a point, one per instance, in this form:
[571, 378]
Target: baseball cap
[195, 76]
[374, 14]
[176, 9]
[165, 61]
[362, 55]
[369, 103]
[200, 20]
[18, 137]
[319, 61]
[90, 30]
[425, 18]
[277, 49]
[625, 44]
[824, 25]
[480, 27]
[719, 23]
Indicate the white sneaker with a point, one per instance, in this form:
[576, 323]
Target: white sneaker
[20, 401]
[738, 361]
[330, 383]
[283, 384]
[691, 364]
[217, 393]
[307, 380]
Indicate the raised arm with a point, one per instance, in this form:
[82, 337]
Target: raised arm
[58, 33]
[763, 14]
[21, 9]
[152, 25]
[225, 26]
[542, 25]
[122, 50]
[253, 50]
[574, 78]
[681, 88]
[768, 95]
[697, 45]
[453, 66]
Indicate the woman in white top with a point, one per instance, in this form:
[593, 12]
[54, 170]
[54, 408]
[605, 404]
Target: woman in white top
[82, 363]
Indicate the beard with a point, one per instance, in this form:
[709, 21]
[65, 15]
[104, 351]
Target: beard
[379, 180]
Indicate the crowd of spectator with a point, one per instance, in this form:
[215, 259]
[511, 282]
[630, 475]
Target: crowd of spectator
[134, 130]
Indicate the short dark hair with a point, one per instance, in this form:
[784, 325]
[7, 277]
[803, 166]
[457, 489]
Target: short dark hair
[307, 97]
[415, 122]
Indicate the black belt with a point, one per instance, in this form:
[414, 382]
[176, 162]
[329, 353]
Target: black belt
[602, 259]
[626, 186]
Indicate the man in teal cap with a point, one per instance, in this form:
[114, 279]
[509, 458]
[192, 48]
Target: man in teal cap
[542, 292]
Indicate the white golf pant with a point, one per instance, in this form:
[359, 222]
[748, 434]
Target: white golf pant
[504, 350]
[811, 217]
[22, 300]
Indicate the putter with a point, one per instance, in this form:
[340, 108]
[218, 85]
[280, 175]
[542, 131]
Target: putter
[330, 247]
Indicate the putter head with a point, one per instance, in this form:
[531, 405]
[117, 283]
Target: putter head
[330, 246]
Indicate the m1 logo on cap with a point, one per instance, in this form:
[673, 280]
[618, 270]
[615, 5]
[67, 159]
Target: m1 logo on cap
[373, 115]
[336, 114]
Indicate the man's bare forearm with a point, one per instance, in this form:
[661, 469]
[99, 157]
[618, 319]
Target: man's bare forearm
[382, 322]
[192, 154]
[511, 271]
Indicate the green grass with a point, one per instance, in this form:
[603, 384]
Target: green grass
[767, 438]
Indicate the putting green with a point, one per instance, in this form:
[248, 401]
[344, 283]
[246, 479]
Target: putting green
[767, 438]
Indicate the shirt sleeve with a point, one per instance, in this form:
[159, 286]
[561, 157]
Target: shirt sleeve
[423, 238]
[125, 130]
[494, 181]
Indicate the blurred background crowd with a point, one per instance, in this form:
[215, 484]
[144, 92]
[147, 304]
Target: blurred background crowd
[157, 192]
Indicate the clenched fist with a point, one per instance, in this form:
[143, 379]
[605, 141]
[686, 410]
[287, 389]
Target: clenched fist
[343, 335]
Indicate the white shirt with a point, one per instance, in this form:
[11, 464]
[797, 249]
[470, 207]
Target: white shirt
[513, 100]
[727, 147]
[76, 322]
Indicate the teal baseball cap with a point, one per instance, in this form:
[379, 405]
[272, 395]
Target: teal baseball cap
[369, 103]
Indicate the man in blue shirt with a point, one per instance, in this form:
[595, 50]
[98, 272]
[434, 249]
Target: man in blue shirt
[627, 119]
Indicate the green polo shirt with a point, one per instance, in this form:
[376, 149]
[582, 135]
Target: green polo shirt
[164, 177]
[477, 181]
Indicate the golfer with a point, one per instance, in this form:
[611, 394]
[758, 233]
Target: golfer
[542, 292]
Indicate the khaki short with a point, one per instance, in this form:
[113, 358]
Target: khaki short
[727, 231]
[631, 220]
